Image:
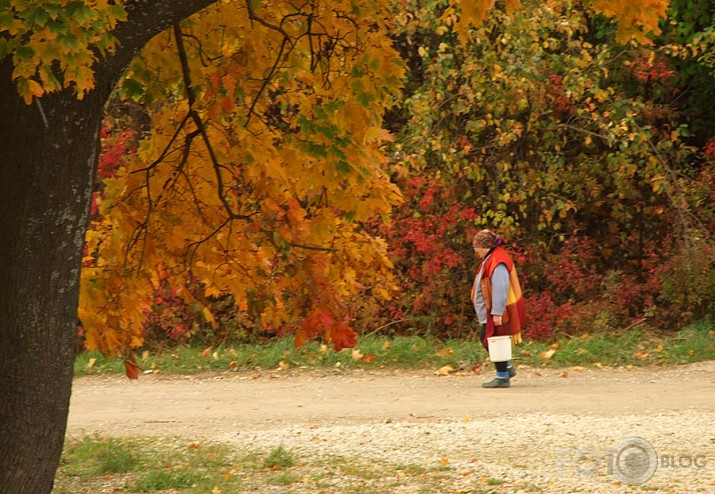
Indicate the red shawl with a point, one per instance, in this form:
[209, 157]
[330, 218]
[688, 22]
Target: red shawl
[514, 316]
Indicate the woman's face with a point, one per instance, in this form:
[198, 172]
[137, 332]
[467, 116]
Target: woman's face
[480, 252]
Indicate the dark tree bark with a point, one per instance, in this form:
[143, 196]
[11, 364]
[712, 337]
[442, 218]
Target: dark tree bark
[48, 158]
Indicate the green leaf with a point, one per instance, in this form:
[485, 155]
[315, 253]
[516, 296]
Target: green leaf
[24, 52]
[38, 18]
[316, 150]
[6, 20]
[342, 167]
[132, 89]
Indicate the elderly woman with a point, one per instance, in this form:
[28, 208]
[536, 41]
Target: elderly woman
[497, 299]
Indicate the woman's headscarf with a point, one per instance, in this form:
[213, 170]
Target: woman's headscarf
[486, 239]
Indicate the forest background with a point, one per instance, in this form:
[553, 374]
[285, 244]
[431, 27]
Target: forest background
[595, 158]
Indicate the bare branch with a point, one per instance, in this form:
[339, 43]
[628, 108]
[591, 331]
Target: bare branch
[194, 115]
[312, 247]
[165, 152]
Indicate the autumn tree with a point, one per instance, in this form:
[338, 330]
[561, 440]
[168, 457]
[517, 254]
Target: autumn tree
[238, 119]
[272, 152]
[75, 52]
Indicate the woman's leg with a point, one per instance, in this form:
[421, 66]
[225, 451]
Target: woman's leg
[502, 368]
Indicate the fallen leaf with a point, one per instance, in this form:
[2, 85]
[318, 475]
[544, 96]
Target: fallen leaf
[641, 355]
[525, 353]
[444, 371]
[233, 364]
[547, 355]
[283, 365]
[369, 358]
[387, 345]
[357, 354]
[91, 363]
[577, 368]
[555, 346]
[477, 369]
[564, 374]
[537, 373]
[444, 461]
[130, 367]
[207, 352]
[323, 348]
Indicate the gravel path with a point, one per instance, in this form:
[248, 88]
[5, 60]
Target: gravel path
[559, 431]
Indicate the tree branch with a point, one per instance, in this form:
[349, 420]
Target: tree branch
[194, 115]
[145, 19]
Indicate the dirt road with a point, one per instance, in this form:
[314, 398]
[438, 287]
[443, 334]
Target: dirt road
[554, 430]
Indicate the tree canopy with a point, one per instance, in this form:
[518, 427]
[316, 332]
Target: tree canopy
[265, 131]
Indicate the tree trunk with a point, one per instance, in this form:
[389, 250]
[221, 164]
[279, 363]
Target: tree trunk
[48, 157]
[48, 152]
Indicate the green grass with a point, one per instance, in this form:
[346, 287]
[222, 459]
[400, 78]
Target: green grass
[279, 458]
[97, 456]
[632, 347]
[163, 479]
[92, 463]
[176, 466]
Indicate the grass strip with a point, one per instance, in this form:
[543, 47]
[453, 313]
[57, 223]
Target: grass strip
[633, 347]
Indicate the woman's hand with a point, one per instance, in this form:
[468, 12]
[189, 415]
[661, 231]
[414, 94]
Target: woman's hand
[497, 320]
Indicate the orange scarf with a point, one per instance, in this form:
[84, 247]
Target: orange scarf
[514, 316]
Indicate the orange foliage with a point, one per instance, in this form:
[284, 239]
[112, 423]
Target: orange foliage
[635, 18]
[259, 184]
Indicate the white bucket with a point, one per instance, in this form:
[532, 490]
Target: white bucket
[499, 348]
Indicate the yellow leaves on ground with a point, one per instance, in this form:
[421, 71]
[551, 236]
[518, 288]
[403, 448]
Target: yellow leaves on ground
[546, 355]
